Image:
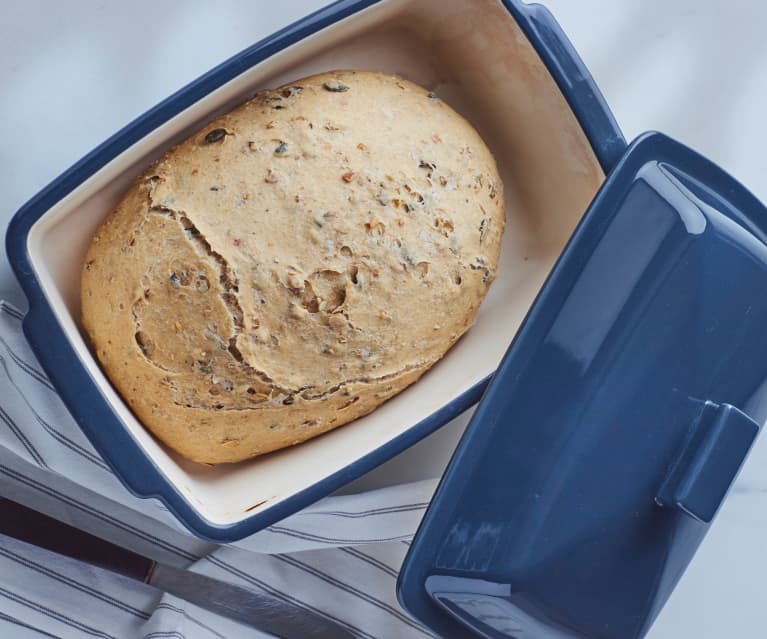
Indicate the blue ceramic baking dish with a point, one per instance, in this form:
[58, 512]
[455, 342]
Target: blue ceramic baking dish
[505, 65]
[617, 421]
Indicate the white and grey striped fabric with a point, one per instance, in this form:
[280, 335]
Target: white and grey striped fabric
[340, 557]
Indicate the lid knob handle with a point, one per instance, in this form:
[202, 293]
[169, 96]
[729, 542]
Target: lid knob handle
[710, 460]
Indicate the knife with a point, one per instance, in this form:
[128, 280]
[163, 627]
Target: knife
[254, 609]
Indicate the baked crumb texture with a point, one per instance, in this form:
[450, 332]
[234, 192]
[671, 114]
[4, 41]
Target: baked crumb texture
[294, 264]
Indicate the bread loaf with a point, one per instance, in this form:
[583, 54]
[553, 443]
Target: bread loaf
[294, 264]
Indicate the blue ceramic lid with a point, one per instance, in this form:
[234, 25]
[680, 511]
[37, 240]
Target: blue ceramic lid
[617, 421]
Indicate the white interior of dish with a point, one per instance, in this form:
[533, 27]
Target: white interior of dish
[470, 52]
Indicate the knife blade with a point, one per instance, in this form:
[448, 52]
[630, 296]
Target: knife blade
[261, 611]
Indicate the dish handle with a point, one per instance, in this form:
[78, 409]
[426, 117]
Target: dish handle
[574, 80]
[699, 480]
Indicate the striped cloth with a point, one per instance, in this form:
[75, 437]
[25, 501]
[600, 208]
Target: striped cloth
[340, 557]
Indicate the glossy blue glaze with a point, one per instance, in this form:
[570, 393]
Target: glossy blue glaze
[574, 80]
[608, 437]
[74, 384]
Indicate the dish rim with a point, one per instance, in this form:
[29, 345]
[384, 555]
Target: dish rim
[79, 391]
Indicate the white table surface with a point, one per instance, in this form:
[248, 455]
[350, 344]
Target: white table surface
[72, 73]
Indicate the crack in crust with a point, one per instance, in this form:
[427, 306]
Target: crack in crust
[229, 283]
[231, 286]
[361, 380]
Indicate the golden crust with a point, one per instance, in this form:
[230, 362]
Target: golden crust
[294, 264]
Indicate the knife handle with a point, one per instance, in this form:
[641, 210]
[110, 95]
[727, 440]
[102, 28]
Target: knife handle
[32, 527]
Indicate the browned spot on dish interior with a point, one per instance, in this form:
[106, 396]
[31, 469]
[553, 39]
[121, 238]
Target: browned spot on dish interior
[254, 506]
